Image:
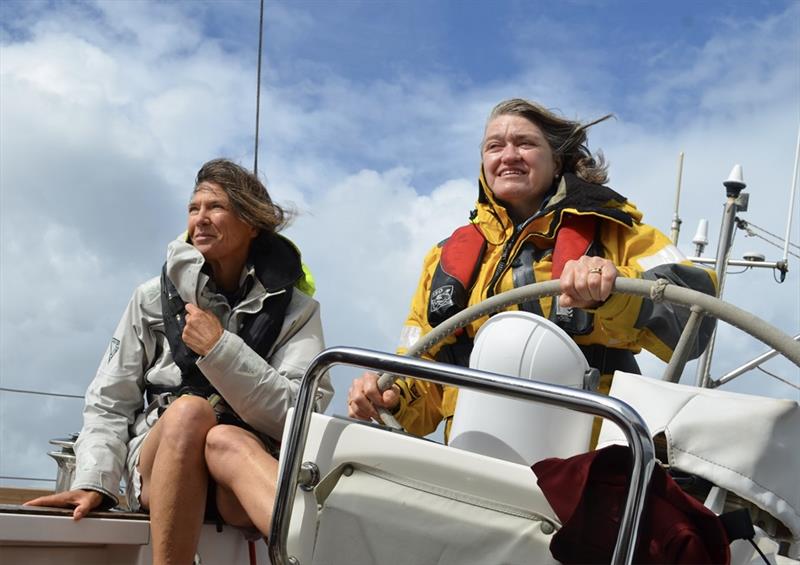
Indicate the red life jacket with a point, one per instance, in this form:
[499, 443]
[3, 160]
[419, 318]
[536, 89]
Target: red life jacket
[463, 251]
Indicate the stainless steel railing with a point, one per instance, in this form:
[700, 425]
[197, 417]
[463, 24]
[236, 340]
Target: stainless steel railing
[619, 412]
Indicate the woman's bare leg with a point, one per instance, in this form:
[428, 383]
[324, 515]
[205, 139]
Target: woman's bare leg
[245, 474]
[175, 478]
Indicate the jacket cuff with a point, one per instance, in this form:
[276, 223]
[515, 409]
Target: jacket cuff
[402, 405]
[613, 307]
[395, 410]
[223, 355]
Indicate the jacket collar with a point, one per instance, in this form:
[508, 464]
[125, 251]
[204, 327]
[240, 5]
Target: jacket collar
[572, 194]
[274, 261]
[184, 269]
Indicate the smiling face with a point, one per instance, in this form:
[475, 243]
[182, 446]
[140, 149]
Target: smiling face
[214, 227]
[518, 163]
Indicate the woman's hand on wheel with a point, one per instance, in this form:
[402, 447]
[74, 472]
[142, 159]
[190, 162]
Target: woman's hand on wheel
[364, 396]
[587, 282]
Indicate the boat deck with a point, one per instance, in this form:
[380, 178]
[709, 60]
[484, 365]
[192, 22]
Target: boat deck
[36, 535]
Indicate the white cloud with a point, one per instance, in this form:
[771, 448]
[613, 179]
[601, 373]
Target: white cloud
[108, 109]
[746, 67]
[365, 243]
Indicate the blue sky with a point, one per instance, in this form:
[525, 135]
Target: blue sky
[372, 113]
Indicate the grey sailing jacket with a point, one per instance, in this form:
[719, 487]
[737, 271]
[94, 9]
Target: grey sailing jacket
[260, 391]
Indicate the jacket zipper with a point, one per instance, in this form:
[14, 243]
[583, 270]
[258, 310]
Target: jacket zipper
[502, 264]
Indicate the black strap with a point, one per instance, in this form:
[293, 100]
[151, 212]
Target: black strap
[522, 270]
[173, 309]
[738, 524]
[456, 353]
[607, 359]
[261, 330]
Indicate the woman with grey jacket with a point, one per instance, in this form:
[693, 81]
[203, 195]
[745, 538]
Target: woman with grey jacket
[192, 394]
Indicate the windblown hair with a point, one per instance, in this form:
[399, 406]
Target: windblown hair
[247, 194]
[567, 138]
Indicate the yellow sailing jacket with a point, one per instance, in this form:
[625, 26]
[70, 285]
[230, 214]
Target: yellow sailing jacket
[521, 255]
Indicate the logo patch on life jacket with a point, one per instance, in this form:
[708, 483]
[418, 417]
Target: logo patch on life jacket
[113, 348]
[441, 298]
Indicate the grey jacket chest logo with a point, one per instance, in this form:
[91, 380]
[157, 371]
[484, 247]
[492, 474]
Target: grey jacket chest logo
[113, 348]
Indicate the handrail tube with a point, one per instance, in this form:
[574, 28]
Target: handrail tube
[792, 192]
[683, 350]
[752, 364]
[721, 266]
[619, 412]
[739, 263]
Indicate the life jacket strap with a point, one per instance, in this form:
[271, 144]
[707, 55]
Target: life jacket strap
[573, 240]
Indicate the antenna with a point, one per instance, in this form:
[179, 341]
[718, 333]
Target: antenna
[676, 219]
[792, 191]
[733, 189]
[700, 239]
[258, 85]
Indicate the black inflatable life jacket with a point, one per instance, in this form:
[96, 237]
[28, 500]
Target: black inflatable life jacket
[278, 267]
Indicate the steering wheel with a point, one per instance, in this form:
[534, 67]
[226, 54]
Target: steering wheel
[699, 304]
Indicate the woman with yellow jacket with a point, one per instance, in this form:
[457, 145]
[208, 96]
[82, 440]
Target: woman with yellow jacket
[542, 213]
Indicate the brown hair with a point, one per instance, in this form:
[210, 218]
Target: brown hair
[566, 138]
[247, 194]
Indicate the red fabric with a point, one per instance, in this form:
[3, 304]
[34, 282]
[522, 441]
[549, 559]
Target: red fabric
[574, 237]
[462, 253]
[588, 493]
